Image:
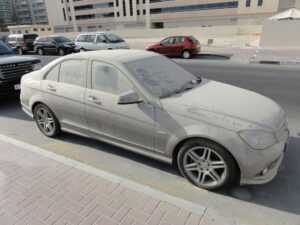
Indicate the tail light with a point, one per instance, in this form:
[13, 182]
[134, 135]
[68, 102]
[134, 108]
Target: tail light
[24, 43]
[75, 46]
[34, 43]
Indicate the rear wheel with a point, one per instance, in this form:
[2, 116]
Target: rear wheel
[46, 121]
[20, 51]
[206, 164]
[40, 51]
[186, 54]
[82, 50]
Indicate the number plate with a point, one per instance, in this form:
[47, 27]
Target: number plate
[17, 86]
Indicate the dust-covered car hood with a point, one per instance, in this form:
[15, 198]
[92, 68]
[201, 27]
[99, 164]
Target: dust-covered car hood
[227, 106]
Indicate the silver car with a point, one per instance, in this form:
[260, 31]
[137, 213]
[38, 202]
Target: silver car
[146, 103]
[99, 41]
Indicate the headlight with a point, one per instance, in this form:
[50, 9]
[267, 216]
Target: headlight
[36, 66]
[67, 46]
[258, 139]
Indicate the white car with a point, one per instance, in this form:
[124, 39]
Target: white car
[99, 41]
[146, 103]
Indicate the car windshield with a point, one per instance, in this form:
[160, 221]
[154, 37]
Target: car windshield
[4, 49]
[61, 39]
[113, 38]
[161, 76]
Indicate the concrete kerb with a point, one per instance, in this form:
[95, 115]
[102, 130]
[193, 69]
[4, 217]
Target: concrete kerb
[214, 215]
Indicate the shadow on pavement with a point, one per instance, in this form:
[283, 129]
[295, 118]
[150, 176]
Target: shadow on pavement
[10, 107]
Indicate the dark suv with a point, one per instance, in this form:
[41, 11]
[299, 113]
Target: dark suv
[12, 68]
[53, 44]
[21, 43]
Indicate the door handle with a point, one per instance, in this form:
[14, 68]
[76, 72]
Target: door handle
[94, 100]
[51, 88]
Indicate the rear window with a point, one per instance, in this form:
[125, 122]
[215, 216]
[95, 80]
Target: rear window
[20, 39]
[193, 40]
[30, 36]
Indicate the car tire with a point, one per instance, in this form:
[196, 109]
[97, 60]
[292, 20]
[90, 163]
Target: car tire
[206, 164]
[20, 51]
[46, 120]
[61, 52]
[40, 51]
[186, 54]
[82, 50]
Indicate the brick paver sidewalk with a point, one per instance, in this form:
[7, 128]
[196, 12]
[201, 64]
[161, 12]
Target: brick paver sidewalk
[38, 190]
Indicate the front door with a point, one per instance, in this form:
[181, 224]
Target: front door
[130, 125]
[165, 47]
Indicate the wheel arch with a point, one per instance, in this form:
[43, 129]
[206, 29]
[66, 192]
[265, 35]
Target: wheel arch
[181, 142]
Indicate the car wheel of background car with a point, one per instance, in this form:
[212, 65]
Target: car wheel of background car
[20, 51]
[186, 54]
[206, 164]
[82, 50]
[61, 52]
[152, 50]
[109, 49]
[46, 121]
[40, 51]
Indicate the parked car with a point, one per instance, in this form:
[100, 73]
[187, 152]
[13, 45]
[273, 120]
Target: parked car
[53, 44]
[3, 38]
[99, 41]
[21, 43]
[12, 68]
[185, 46]
[146, 103]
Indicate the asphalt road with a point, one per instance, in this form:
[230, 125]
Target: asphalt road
[277, 202]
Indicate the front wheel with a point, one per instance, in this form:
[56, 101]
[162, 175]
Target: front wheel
[61, 52]
[206, 164]
[186, 54]
[40, 51]
[46, 121]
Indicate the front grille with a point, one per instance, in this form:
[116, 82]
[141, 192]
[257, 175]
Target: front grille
[15, 71]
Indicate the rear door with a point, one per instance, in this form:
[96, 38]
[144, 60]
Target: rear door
[64, 89]
[178, 46]
[29, 39]
[101, 43]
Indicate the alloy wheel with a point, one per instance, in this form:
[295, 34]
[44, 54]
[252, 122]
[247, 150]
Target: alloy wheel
[45, 121]
[186, 54]
[205, 166]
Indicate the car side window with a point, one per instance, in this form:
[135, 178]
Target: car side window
[100, 39]
[167, 41]
[109, 79]
[90, 38]
[20, 39]
[53, 74]
[178, 40]
[81, 38]
[73, 72]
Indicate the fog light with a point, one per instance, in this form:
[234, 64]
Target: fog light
[265, 171]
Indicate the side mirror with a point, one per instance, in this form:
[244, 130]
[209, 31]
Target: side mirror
[161, 44]
[130, 97]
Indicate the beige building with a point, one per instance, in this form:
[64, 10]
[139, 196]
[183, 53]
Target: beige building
[32, 29]
[92, 15]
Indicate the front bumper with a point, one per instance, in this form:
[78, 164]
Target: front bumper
[265, 164]
[7, 87]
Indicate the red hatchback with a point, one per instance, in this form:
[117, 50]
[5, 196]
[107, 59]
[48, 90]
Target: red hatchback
[185, 46]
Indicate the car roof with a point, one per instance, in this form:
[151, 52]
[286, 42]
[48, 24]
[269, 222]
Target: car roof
[94, 33]
[119, 56]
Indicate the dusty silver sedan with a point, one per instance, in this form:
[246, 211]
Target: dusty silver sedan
[146, 103]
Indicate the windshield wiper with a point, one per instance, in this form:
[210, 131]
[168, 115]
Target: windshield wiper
[186, 86]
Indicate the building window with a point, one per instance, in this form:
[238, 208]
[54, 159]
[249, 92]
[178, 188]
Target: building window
[118, 14]
[194, 7]
[64, 12]
[95, 16]
[35, 29]
[42, 29]
[69, 9]
[124, 8]
[144, 11]
[94, 6]
[138, 12]
[70, 18]
[137, 2]
[144, 1]
[117, 2]
[248, 3]
[260, 2]
[62, 1]
[49, 29]
[26, 31]
[130, 7]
